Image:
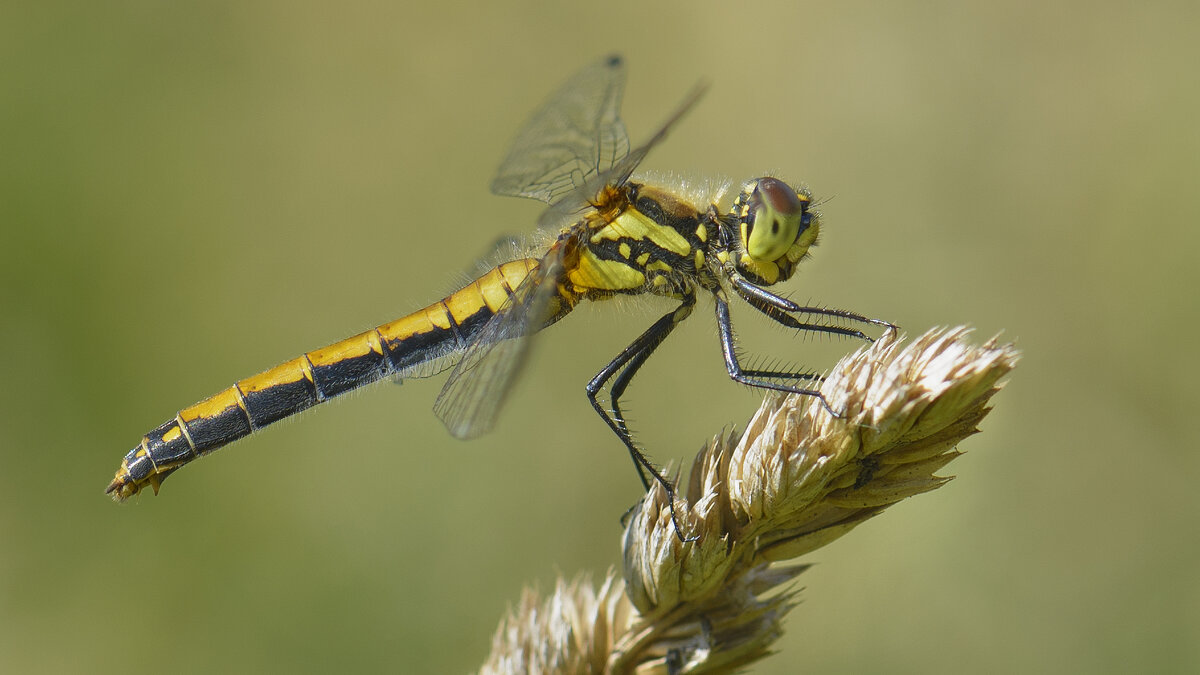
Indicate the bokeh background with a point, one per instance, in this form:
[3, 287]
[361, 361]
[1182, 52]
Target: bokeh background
[191, 192]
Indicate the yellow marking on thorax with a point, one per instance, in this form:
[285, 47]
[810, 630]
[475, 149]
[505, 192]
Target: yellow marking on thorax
[593, 272]
[633, 224]
[768, 271]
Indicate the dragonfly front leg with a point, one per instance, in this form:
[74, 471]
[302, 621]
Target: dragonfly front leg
[781, 309]
[763, 378]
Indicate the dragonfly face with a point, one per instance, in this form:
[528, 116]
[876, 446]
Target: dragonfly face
[775, 229]
[613, 236]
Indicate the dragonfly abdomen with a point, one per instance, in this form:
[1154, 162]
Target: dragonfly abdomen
[416, 345]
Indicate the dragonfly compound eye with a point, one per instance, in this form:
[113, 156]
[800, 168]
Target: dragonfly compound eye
[773, 218]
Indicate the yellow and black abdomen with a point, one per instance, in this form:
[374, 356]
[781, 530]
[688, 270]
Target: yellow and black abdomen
[413, 346]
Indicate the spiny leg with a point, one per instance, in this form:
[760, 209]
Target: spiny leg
[757, 378]
[618, 388]
[781, 317]
[783, 375]
[780, 310]
[630, 359]
[776, 307]
[624, 367]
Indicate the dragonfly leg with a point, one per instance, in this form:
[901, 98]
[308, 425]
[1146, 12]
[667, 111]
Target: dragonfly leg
[781, 317]
[780, 310]
[620, 371]
[763, 378]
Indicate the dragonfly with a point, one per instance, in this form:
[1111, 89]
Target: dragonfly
[607, 235]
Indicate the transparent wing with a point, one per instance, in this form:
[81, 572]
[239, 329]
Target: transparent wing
[567, 154]
[623, 169]
[583, 194]
[479, 384]
[575, 135]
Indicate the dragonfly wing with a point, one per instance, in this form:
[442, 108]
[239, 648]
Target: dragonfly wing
[472, 397]
[623, 168]
[576, 134]
[571, 149]
[568, 207]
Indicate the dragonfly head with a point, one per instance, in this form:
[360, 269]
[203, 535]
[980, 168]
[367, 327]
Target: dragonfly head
[776, 227]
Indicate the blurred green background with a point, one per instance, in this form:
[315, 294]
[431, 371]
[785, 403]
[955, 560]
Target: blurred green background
[191, 192]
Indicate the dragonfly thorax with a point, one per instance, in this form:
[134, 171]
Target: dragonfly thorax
[775, 229]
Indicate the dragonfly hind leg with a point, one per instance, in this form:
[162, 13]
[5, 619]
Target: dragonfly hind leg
[620, 371]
